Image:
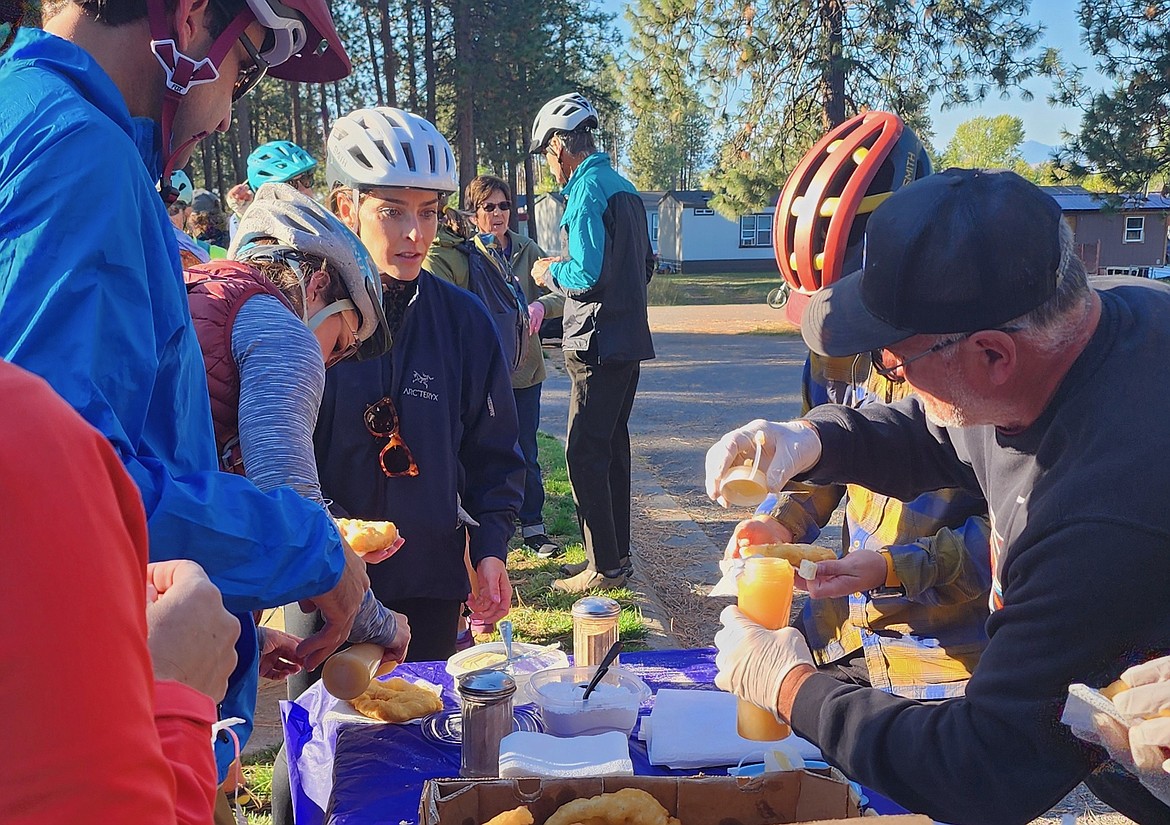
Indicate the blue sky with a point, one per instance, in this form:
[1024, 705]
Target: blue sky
[1042, 122]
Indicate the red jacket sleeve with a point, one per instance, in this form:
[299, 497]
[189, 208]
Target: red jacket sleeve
[77, 684]
[184, 717]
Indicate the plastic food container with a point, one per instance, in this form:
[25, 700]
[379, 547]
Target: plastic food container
[527, 659]
[613, 704]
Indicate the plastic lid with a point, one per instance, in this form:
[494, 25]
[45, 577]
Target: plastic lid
[596, 607]
[486, 684]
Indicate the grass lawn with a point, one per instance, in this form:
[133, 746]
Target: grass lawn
[716, 288]
[540, 616]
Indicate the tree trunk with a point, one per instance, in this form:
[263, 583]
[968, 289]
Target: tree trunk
[389, 55]
[243, 136]
[324, 113]
[833, 17]
[514, 216]
[464, 94]
[298, 129]
[530, 195]
[411, 57]
[337, 98]
[374, 53]
[429, 59]
[204, 166]
[217, 158]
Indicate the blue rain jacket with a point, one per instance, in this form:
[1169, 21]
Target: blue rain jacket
[92, 299]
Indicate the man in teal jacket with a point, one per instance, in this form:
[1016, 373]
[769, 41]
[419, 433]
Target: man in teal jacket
[92, 296]
[606, 334]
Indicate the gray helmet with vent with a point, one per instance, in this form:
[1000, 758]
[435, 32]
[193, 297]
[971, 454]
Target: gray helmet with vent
[299, 224]
[384, 146]
[566, 113]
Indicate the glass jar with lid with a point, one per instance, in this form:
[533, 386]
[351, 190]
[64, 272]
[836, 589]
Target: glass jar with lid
[485, 702]
[595, 629]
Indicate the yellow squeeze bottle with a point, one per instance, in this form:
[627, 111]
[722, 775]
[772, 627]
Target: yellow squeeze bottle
[765, 597]
[348, 672]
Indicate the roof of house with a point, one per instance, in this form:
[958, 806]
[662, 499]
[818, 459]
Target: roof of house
[697, 198]
[651, 199]
[1079, 199]
[690, 198]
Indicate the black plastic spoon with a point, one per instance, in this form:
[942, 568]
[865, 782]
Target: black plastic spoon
[603, 668]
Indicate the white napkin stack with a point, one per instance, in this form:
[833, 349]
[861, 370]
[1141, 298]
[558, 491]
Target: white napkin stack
[696, 729]
[537, 754]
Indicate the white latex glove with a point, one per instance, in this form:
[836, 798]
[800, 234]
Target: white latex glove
[535, 317]
[788, 450]
[753, 660]
[1143, 706]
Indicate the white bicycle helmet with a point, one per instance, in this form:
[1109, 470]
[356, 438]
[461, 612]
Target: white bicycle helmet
[389, 147]
[181, 183]
[301, 225]
[566, 113]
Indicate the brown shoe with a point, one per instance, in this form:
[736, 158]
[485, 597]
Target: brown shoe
[589, 580]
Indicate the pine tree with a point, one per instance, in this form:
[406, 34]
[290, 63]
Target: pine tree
[1125, 131]
[787, 70]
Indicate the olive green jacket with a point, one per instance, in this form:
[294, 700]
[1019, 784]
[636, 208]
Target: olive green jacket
[447, 261]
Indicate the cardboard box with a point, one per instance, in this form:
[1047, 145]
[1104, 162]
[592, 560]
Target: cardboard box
[794, 796]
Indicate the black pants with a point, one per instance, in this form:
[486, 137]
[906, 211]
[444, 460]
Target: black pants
[598, 456]
[433, 627]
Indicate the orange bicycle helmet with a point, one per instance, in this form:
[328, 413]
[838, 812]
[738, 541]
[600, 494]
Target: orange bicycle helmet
[821, 214]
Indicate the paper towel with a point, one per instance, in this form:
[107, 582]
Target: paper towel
[524, 753]
[696, 729]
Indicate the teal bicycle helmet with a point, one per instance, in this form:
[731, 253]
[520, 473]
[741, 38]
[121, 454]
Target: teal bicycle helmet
[277, 161]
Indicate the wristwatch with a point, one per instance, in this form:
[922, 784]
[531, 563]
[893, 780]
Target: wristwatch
[892, 587]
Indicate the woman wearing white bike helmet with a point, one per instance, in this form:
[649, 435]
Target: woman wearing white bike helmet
[300, 295]
[424, 436]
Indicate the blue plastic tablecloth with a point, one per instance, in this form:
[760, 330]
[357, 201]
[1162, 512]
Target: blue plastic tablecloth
[378, 770]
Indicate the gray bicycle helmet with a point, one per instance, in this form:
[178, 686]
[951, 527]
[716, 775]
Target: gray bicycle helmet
[299, 224]
[566, 113]
[384, 146]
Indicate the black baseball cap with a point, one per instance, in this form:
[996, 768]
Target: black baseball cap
[958, 251]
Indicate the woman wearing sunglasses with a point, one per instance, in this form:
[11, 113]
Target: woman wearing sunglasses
[451, 258]
[424, 436]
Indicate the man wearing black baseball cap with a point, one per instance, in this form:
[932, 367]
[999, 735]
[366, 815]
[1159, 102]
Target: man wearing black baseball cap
[1030, 388]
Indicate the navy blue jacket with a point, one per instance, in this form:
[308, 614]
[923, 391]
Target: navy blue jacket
[447, 377]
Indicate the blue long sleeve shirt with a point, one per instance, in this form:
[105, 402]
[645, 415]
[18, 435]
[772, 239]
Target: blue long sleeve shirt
[92, 300]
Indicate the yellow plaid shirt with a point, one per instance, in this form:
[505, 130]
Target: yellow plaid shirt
[923, 645]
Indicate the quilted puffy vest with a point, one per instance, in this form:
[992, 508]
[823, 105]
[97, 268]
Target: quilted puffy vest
[215, 292]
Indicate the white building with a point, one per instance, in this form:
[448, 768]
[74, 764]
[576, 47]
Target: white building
[693, 237]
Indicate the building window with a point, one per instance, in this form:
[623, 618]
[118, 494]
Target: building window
[755, 230]
[654, 227]
[699, 211]
[1135, 229]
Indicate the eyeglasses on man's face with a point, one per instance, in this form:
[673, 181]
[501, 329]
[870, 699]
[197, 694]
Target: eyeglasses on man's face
[503, 206]
[893, 370]
[250, 74]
